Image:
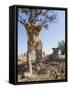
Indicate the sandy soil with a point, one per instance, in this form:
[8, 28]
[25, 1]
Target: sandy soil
[48, 71]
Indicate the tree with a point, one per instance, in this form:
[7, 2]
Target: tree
[61, 45]
[42, 17]
[36, 16]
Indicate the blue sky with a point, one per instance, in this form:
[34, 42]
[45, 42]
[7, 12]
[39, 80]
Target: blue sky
[49, 38]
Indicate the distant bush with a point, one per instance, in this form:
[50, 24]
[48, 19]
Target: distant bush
[61, 46]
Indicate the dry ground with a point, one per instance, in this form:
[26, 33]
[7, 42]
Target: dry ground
[48, 71]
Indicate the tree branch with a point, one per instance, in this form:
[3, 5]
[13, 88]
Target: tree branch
[30, 15]
[21, 21]
[35, 16]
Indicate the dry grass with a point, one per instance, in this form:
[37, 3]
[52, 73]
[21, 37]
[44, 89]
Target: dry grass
[48, 71]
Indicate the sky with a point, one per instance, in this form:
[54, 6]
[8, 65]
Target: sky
[49, 37]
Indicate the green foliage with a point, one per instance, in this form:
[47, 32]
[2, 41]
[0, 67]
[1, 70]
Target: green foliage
[61, 45]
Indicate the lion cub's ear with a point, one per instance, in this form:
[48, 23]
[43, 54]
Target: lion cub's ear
[27, 25]
[58, 48]
[39, 28]
[53, 48]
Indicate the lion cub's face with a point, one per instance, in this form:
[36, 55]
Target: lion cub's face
[55, 51]
[33, 34]
[33, 29]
